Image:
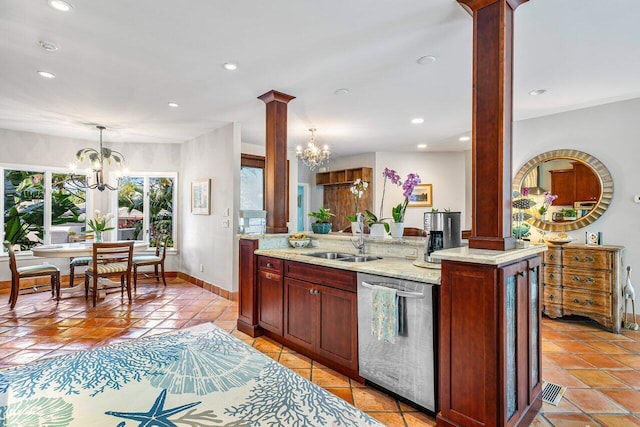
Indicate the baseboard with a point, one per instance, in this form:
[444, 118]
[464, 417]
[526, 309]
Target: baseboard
[224, 293]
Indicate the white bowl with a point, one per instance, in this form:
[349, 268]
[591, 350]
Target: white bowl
[300, 243]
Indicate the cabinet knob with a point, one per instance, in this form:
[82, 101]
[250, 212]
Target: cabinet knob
[576, 300]
[576, 258]
[552, 297]
[552, 257]
[522, 274]
[314, 291]
[268, 275]
[552, 275]
[589, 259]
[269, 265]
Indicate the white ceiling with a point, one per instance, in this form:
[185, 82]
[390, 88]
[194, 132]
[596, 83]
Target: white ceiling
[121, 61]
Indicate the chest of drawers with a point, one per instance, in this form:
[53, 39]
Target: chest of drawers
[584, 280]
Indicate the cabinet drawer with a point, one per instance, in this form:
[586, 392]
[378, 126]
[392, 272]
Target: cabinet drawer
[587, 258]
[274, 265]
[553, 256]
[552, 295]
[587, 280]
[578, 302]
[333, 277]
[552, 275]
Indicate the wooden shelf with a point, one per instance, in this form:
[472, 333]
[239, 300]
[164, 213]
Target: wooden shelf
[343, 176]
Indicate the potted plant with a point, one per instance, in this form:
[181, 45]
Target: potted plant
[357, 189]
[569, 214]
[397, 212]
[323, 221]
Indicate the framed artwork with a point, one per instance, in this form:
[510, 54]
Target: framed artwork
[422, 195]
[201, 197]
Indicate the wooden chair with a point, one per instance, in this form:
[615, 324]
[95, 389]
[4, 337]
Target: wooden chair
[30, 271]
[110, 259]
[412, 231]
[156, 261]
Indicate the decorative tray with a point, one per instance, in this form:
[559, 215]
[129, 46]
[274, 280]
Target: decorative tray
[425, 264]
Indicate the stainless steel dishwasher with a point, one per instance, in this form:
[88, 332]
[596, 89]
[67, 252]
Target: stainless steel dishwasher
[407, 367]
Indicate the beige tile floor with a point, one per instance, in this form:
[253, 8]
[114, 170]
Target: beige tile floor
[602, 370]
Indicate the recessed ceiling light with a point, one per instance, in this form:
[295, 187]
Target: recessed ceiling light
[48, 46]
[422, 145]
[464, 138]
[173, 104]
[60, 5]
[429, 59]
[417, 120]
[47, 75]
[230, 66]
[537, 92]
[343, 91]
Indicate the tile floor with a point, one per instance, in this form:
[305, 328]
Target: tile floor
[602, 370]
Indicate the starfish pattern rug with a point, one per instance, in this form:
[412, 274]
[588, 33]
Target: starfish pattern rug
[199, 376]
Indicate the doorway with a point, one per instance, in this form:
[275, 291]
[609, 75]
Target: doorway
[302, 206]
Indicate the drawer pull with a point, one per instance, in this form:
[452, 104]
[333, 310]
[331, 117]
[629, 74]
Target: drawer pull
[589, 279]
[589, 259]
[576, 300]
[522, 273]
[552, 257]
[269, 265]
[268, 275]
[589, 302]
[552, 297]
[314, 291]
[552, 275]
[576, 258]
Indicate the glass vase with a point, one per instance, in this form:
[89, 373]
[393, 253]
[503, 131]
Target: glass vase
[97, 236]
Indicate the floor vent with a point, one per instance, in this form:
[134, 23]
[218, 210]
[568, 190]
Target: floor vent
[552, 393]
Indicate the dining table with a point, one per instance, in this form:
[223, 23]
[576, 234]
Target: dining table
[78, 249]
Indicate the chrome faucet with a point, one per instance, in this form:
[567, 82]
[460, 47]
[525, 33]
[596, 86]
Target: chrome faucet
[360, 245]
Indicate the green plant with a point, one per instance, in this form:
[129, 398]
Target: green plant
[322, 215]
[570, 212]
[370, 218]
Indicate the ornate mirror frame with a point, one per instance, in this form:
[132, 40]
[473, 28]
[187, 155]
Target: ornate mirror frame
[606, 186]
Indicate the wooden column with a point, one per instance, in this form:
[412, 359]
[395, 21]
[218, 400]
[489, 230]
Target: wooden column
[276, 171]
[492, 117]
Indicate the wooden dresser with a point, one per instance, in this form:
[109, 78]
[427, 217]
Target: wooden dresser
[584, 280]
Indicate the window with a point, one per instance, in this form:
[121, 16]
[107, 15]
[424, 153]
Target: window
[252, 182]
[40, 207]
[145, 207]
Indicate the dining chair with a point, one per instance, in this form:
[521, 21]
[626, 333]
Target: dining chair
[156, 261]
[413, 231]
[30, 271]
[109, 259]
[81, 261]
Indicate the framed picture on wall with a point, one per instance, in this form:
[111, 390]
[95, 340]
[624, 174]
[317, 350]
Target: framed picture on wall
[201, 197]
[422, 195]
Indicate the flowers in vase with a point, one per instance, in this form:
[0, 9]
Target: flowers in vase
[548, 199]
[357, 189]
[408, 186]
[99, 222]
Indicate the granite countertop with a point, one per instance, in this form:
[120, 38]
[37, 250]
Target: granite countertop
[397, 267]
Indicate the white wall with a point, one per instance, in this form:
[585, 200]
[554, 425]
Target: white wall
[207, 240]
[444, 170]
[609, 133]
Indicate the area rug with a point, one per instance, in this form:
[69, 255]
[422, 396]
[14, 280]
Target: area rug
[200, 376]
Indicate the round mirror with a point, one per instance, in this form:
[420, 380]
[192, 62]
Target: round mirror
[570, 188]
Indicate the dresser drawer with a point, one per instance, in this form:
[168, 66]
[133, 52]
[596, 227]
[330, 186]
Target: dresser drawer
[552, 275]
[552, 294]
[585, 258]
[553, 256]
[577, 302]
[274, 265]
[587, 280]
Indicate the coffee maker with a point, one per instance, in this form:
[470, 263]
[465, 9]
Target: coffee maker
[444, 232]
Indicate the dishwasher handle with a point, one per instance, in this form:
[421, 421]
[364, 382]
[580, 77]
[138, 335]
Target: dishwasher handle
[415, 295]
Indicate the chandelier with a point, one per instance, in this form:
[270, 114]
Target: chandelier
[313, 156]
[97, 161]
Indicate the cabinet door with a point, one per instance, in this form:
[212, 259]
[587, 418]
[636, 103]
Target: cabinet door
[247, 303]
[270, 297]
[300, 312]
[562, 182]
[338, 332]
[587, 183]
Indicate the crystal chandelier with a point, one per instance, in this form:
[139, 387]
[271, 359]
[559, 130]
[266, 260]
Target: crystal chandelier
[97, 160]
[313, 156]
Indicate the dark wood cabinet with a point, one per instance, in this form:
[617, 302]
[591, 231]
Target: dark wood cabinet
[270, 294]
[321, 312]
[578, 184]
[587, 183]
[490, 354]
[337, 195]
[562, 182]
